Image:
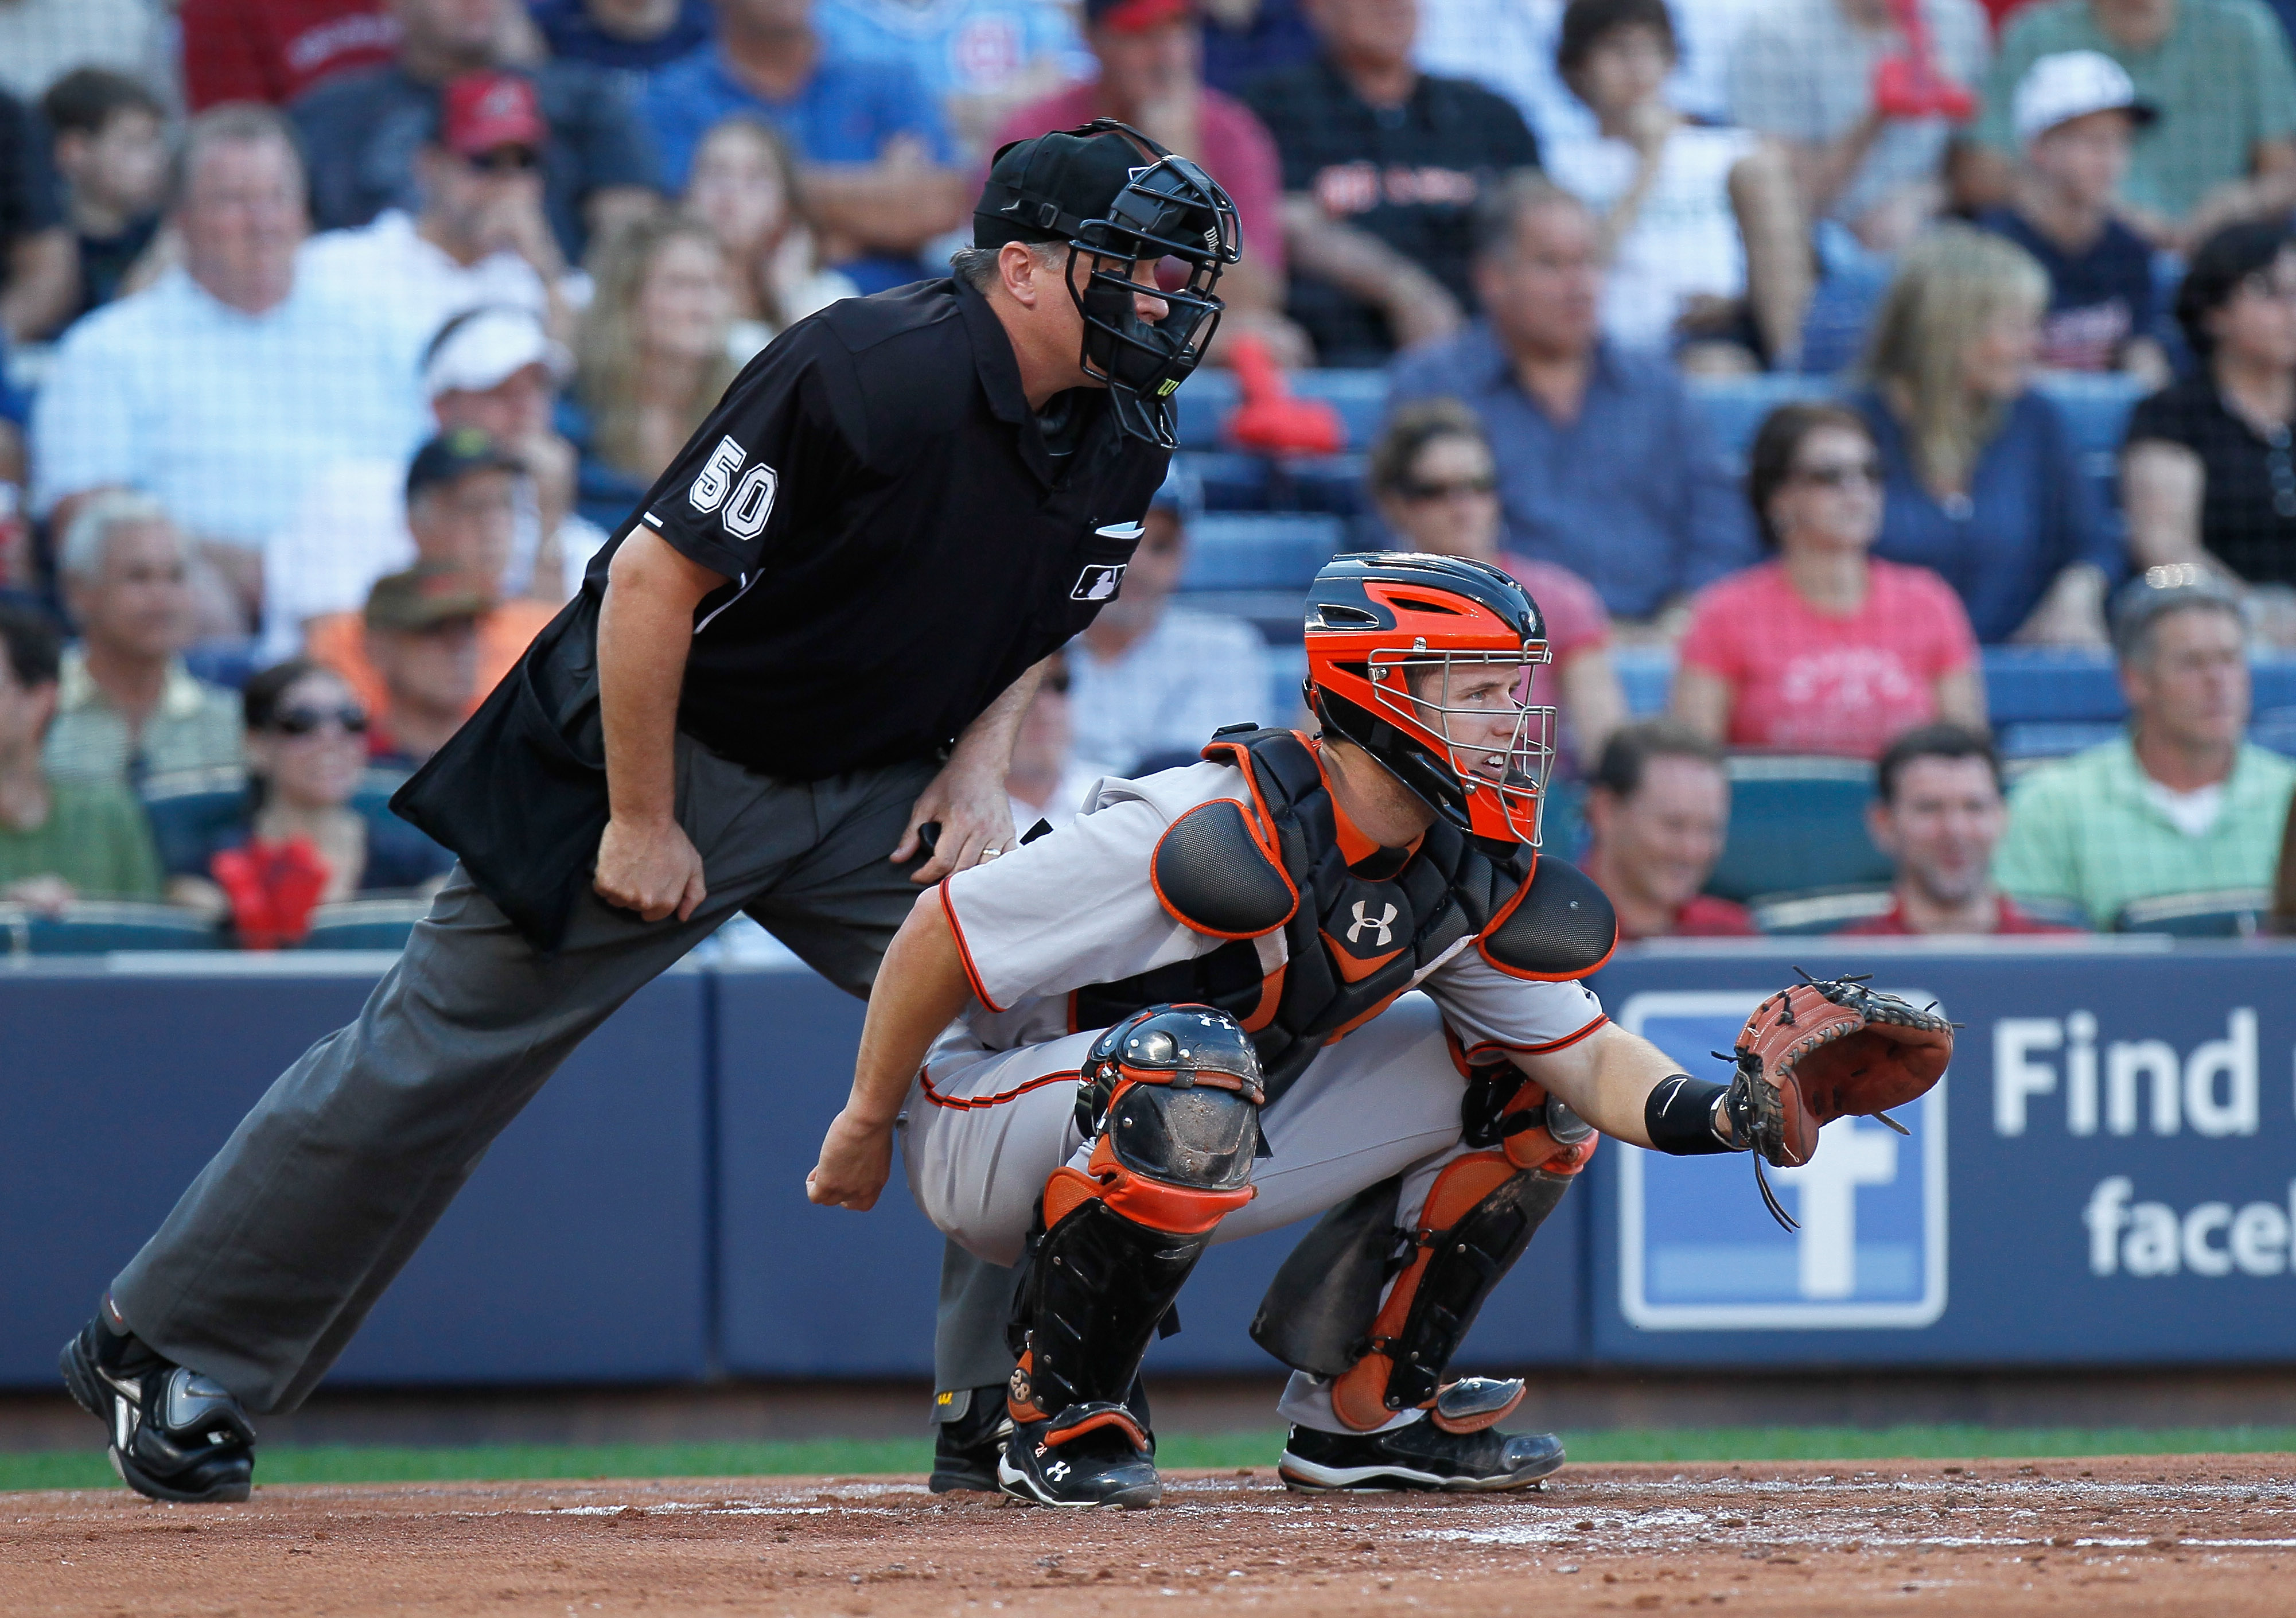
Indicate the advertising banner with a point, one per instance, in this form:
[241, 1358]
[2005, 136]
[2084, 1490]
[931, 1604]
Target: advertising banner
[2107, 1173]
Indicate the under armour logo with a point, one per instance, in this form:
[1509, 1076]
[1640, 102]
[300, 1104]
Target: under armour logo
[1057, 1471]
[1363, 921]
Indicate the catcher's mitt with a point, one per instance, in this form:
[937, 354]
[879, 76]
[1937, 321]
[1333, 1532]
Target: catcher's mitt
[1827, 1048]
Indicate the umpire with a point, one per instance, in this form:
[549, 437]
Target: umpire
[811, 647]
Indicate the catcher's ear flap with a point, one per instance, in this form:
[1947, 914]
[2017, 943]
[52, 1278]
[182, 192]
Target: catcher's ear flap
[1212, 874]
[1558, 926]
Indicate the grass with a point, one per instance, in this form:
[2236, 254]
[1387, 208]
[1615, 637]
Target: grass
[283, 1464]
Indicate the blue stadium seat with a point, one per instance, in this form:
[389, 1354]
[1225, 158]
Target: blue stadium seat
[1201, 407]
[2096, 407]
[223, 663]
[1360, 397]
[1733, 407]
[96, 926]
[2227, 913]
[365, 924]
[1260, 550]
[1287, 667]
[2025, 684]
[1797, 824]
[1644, 672]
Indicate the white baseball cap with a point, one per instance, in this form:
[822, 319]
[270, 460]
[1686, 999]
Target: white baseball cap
[486, 347]
[2073, 84]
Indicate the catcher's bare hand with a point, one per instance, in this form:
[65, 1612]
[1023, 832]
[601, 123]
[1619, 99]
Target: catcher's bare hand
[857, 1159]
[968, 801]
[651, 868]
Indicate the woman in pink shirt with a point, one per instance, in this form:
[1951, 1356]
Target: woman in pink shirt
[1436, 486]
[1827, 649]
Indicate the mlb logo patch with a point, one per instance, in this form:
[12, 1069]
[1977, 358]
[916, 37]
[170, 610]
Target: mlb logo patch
[1099, 582]
[1698, 1251]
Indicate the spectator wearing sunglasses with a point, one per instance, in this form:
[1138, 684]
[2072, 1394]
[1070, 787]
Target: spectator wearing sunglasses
[1436, 485]
[304, 828]
[1150, 681]
[1827, 649]
[480, 236]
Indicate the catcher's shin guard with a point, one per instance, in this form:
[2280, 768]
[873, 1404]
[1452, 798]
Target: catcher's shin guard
[1479, 1217]
[1173, 1094]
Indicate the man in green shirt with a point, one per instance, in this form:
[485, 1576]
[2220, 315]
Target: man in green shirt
[2219, 73]
[59, 840]
[2182, 804]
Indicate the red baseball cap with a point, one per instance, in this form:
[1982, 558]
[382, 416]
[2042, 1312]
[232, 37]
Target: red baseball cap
[1137, 16]
[481, 111]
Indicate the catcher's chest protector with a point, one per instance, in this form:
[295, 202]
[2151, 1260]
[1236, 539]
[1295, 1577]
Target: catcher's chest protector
[1318, 947]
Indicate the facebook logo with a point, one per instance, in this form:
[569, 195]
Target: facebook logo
[1698, 1251]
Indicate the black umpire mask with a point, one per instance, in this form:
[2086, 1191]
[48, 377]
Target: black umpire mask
[1117, 198]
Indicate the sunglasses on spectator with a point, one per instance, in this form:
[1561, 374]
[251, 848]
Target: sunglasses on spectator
[302, 721]
[1414, 490]
[1842, 475]
[507, 159]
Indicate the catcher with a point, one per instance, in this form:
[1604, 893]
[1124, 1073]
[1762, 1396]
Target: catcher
[1304, 977]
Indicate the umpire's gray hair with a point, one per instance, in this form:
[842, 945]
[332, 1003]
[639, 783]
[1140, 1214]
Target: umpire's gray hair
[235, 122]
[90, 530]
[976, 266]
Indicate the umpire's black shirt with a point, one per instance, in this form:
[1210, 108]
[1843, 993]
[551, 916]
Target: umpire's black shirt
[900, 544]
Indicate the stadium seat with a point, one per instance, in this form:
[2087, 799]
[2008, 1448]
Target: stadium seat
[1797, 824]
[2096, 406]
[2031, 684]
[1809, 914]
[1733, 407]
[365, 924]
[2225, 913]
[1260, 550]
[1644, 672]
[96, 926]
[223, 662]
[1360, 397]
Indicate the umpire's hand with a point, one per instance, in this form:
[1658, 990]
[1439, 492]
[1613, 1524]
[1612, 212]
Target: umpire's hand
[652, 869]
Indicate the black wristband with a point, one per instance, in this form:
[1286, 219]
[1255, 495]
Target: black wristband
[1680, 1116]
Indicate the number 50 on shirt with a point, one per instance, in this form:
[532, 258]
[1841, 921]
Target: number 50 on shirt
[744, 514]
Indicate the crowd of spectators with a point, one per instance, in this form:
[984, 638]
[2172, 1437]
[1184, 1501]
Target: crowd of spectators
[337, 336]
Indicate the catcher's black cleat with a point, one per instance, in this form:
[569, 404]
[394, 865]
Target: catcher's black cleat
[966, 1448]
[175, 1435]
[1420, 1455]
[1088, 1454]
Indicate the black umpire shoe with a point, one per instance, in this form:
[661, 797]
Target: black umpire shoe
[1420, 1455]
[1088, 1454]
[175, 1435]
[966, 1447]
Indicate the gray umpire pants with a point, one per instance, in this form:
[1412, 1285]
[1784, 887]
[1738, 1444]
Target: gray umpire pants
[272, 1260]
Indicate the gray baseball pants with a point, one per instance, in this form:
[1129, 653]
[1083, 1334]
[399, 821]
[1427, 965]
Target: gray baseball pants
[983, 1130]
[272, 1260]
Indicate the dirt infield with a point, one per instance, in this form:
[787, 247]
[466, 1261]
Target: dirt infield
[2204, 1534]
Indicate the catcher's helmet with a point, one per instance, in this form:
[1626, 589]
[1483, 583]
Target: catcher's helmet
[1396, 645]
[1117, 198]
